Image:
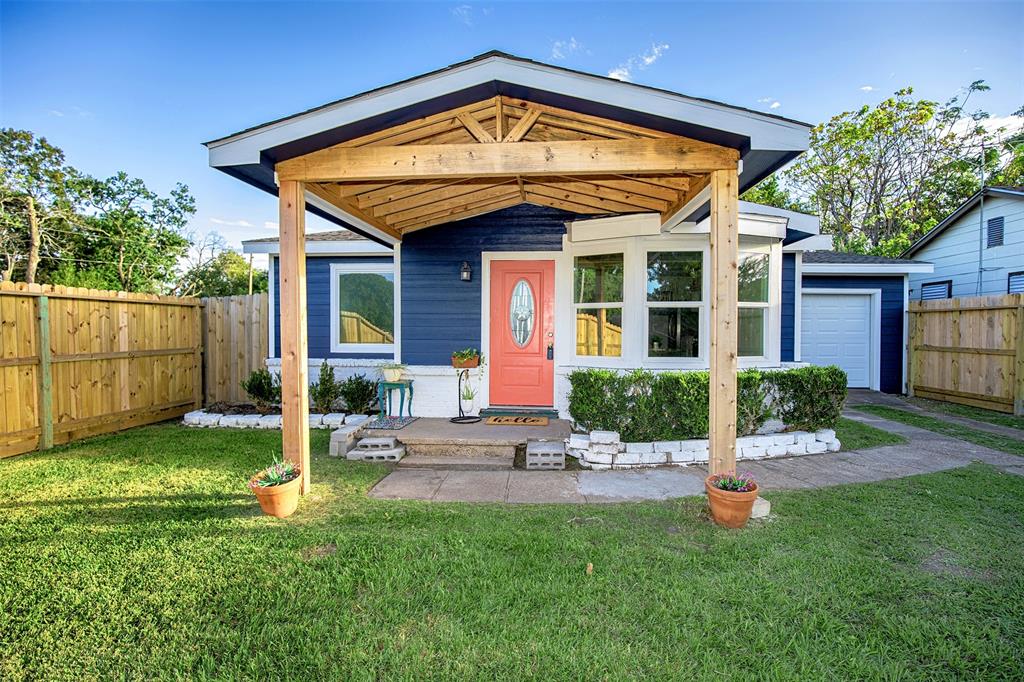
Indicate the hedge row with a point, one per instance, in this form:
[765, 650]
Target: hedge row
[646, 406]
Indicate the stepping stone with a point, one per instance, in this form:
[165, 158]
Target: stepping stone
[545, 454]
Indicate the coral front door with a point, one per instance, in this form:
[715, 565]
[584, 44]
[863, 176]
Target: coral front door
[522, 332]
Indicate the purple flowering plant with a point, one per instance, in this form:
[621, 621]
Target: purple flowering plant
[737, 483]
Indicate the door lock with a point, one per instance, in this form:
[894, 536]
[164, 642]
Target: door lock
[551, 351]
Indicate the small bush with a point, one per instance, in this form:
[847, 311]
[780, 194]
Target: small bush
[809, 398]
[263, 388]
[326, 390]
[753, 401]
[359, 393]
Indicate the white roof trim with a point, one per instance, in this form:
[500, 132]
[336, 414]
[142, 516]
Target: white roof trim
[348, 218]
[816, 242]
[765, 132]
[324, 248]
[865, 268]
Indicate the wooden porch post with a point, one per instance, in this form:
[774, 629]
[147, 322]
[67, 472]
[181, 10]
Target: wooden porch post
[724, 323]
[294, 349]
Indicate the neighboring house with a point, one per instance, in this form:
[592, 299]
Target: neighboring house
[977, 251]
[547, 272]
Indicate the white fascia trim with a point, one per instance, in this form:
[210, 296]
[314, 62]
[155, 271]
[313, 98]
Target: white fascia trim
[384, 268]
[866, 268]
[323, 248]
[613, 227]
[876, 326]
[346, 217]
[686, 209]
[804, 222]
[816, 242]
[271, 320]
[765, 132]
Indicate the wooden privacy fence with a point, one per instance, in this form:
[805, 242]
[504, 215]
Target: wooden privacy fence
[235, 335]
[597, 336]
[78, 362]
[969, 351]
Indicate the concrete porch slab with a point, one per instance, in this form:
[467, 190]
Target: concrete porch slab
[541, 487]
[409, 484]
[438, 431]
[650, 484]
[473, 486]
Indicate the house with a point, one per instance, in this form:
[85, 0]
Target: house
[977, 251]
[552, 218]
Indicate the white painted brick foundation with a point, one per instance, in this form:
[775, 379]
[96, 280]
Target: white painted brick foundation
[204, 419]
[602, 450]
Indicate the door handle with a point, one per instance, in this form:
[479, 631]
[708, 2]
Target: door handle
[551, 351]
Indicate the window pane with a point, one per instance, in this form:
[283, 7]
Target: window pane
[520, 313]
[598, 279]
[366, 307]
[674, 276]
[673, 332]
[599, 331]
[754, 277]
[751, 341]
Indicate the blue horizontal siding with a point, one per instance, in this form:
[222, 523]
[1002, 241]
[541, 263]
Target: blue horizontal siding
[318, 306]
[891, 361]
[441, 313]
[788, 320]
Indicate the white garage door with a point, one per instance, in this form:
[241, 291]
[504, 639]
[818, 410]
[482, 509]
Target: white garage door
[835, 329]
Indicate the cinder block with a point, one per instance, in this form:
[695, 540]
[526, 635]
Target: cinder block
[376, 454]
[682, 456]
[762, 441]
[599, 457]
[667, 445]
[777, 451]
[342, 441]
[269, 421]
[653, 458]
[628, 458]
[545, 454]
[604, 437]
[579, 441]
[605, 448]
[803, 437]
[316, 421]
[797, 449]
[753, 452]
[639, 447]
[356, 418]
[693, 444]
[783, 439]
[816, 448]
[385, 443]
[333, 420]
[825, 435]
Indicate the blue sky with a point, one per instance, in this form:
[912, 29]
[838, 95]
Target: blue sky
[138, 86]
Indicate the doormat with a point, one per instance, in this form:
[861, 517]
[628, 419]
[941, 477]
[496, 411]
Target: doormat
[390, 423]
[511, 420]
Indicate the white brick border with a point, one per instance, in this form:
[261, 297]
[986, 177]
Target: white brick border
[204, 419]
[605, 450]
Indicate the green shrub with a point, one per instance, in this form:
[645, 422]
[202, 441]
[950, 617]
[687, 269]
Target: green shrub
[359, 393]
[809, 398]
[263, 388]
[326, 390]
[753, 401]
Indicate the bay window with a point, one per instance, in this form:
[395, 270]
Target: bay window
[598, 303]
[362, 307]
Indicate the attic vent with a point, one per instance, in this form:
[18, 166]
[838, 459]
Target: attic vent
[936, 290]
[995, 232]
[1016, 283]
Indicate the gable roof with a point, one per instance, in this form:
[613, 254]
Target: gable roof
[843, 263]
[1016, 192]
[765, 141]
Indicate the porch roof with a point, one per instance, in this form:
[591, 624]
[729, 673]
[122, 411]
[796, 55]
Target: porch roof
[762, 142]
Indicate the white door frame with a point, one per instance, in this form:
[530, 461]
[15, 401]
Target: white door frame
[485, 306]
[875, 355]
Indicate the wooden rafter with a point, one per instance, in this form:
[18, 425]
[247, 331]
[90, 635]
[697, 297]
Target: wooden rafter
[522, 126]
[331, 195]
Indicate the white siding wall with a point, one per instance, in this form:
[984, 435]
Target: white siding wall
[955, 251]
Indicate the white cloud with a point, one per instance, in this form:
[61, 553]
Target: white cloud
[463, 14]
[56, 112]
[867, 88]
[72, 110]
[771, 102]
[561, 49]
[774, 105]
[624, 71]
[270, 225]
[231, 223]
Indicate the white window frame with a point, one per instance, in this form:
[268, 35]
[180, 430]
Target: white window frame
[664, 245]
[765, 250]
[338, 269]
[604, 247]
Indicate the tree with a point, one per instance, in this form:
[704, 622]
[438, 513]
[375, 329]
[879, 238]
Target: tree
[770, 192]
[882, 176]
[38, 194]
[216, 271]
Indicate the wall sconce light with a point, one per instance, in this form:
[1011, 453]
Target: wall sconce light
[466, 272]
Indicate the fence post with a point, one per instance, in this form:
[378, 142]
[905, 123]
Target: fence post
[1018, 384]
[45, 375]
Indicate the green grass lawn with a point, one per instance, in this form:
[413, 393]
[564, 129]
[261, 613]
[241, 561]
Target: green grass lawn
[142, 555]
[1014, 446]
[977, 413]
[854, 435]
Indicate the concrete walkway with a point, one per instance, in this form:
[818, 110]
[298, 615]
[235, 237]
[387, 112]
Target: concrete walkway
[925, 452]
[862, 397]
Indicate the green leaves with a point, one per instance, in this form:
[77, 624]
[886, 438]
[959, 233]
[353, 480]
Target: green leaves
[263, 387]
[326, 390]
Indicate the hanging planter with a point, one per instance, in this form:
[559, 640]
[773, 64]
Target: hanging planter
[466, 359]
[731, 498]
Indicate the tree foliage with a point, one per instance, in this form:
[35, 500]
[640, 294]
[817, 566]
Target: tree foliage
[217, 271]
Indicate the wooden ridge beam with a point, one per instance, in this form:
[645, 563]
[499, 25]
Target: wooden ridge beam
[590, 157]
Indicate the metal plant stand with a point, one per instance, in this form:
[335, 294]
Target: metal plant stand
[463, 418]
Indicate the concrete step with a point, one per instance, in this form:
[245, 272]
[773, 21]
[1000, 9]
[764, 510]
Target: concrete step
[456, 449]
[454, 463]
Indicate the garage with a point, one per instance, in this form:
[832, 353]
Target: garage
[840, 328]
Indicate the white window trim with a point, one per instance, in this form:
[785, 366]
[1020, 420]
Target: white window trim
[875, 355]
[630, 317]
[703, 247]
[772, 350]
[380, 268]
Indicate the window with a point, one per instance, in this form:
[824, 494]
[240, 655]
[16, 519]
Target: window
[1015, 283]
[362, 307]
[932, 291]
[995, 232]
[753, 304]
[597, 302]
[674, 298]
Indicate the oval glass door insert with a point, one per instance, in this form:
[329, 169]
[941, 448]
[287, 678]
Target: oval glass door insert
[521, 313]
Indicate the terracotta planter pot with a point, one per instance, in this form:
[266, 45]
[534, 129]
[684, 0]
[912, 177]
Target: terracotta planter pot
[728, 508]
[468, 363]
[278, 500]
